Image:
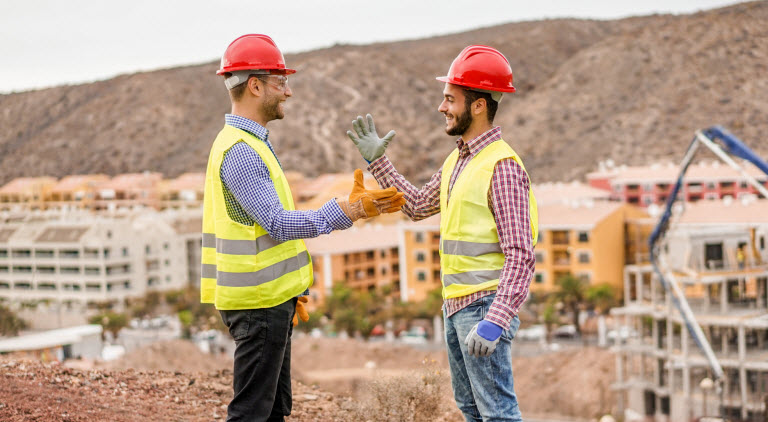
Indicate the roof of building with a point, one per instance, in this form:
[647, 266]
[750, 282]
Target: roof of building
[366, 238]
[187, 181]
[74, 182]
[48, 339]
[732, 211]
[25, 184]
[668, 172]
[576, 214]
[546, 193]
[187, 225]
[131, 181]
[61, 234]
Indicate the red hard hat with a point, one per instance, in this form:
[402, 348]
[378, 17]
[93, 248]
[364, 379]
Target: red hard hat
[252, 52]
[480, 67]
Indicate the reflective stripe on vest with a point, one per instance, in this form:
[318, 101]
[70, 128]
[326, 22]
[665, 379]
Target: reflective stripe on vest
[471, 277]
[471, 258]
[239, 247]
[265, 275]
[460, 247]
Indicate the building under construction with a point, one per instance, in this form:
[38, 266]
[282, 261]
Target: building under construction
[718, 255]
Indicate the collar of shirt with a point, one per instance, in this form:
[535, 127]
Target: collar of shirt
[474, 146]
[247, 125]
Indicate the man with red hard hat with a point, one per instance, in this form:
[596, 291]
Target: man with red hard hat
[488, 227]
[255, 265]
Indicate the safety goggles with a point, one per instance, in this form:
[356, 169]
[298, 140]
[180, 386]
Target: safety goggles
[240, 77]
[278, 81]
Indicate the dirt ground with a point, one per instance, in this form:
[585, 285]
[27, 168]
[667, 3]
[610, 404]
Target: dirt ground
[174, 381]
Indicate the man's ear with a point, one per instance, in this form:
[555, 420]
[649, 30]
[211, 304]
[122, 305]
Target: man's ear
[253, 87]
[479, 106]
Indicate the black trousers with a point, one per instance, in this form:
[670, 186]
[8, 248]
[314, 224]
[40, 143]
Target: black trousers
[262, 371]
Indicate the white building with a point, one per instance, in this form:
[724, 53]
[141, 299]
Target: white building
[54, 265]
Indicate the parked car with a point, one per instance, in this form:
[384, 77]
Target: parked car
[533, 333]
[565, 331]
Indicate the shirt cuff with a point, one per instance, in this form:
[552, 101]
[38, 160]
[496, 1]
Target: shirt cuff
[496, 316]
[335, 216]
[380, 167]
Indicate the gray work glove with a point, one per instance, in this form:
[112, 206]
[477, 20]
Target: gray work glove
[367, 141]
[477, 345]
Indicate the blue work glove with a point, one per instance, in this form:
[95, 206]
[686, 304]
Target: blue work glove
[483, 338]
[367, 141]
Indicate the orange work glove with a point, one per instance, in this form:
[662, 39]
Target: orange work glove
[365, 203]
[301, 311]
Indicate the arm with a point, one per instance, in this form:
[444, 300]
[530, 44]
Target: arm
[509, 204]
[419, 203]
[245, 175]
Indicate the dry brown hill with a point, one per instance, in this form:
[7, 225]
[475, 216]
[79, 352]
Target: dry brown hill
[633, 90]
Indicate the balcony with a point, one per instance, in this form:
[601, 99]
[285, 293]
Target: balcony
[560, 237]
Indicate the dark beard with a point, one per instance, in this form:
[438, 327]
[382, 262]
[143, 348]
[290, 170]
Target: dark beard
[271, 108]
[462, 122]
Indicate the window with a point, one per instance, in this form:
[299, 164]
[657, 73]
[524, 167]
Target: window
[166, 246]
[370, 255]
[69, 254]
[540, 237]
[22, 253]
[147, 249]
[421, 276]
[539, 256]
[420, 257]
[584, 257]
[583, 237]
[3, 253]
[538, 277]
[419, 237]
[43, 253]
[585, 276]
[125, 251]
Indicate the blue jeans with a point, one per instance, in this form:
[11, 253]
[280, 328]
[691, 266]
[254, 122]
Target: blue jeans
[483, 387]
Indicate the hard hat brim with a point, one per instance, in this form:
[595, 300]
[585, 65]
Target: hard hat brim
[284, 71]
[448, 80]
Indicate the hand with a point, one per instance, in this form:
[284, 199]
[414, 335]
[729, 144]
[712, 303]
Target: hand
[301, 311]
[483, 338]
[367, 141]
[365, 203]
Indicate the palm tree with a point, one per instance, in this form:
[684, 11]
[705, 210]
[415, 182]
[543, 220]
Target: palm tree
[571, 292]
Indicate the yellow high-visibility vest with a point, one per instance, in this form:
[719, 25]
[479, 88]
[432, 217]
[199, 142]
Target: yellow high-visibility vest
[471, 259]
[243, 266]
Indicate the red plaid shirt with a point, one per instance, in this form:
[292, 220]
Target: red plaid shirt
[508, 197]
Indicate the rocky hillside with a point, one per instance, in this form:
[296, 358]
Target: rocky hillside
[633, 90]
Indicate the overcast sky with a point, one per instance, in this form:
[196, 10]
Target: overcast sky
[52, 42]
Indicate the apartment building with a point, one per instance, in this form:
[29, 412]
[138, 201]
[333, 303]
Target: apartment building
[717, 252]
[420, 258]
[652, 184]
[54, 266]
[98, 192]
[364, 258]
[183, 192]
[587, 239]
[26, 193]
[77, 191]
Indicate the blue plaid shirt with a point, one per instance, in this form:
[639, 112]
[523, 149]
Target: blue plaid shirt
[251, 197]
